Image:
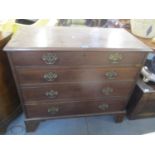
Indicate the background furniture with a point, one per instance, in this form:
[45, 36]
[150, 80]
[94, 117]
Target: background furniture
[26, 21]
[74, 71]
[82, 22]
[142, 102]
[9, 101]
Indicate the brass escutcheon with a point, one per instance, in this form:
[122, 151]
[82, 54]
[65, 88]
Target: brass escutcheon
[49, 58]
[115, 57]
[111, 75]
[53, 110]
[51, 94]
[107, 90]
[50, 76]
[103, 107]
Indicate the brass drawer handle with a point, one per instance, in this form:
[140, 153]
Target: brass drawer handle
[107, 90]
[53, 110]
[103, 107]
[111, 75]
[115, 58]
[51, 76]
[51, 94]
[49, 58]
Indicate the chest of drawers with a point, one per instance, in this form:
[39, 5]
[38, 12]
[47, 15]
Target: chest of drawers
[66, 72]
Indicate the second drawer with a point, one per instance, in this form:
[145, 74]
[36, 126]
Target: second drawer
[44, 75]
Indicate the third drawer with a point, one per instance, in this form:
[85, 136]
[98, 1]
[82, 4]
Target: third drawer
[76, 91]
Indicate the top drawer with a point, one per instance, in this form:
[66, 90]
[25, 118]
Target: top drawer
[27, 58]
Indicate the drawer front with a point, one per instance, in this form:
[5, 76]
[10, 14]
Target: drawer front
[47, 109]
[77, 91]
[44, 75]
[76, 58]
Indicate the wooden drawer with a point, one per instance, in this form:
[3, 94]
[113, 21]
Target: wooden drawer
[44, 75]
[77, 91]
[47, 109]
[76, 58]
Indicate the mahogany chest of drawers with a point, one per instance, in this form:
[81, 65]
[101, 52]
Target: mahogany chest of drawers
[74, 71]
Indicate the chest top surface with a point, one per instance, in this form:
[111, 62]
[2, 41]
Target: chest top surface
[74, 38]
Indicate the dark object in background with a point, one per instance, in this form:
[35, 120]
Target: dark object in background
[96, 22]
[87, 22]
[26, 21]
[9, 101]
[64, 22]
[117, 23]
[142, 101]
[106, 23]
[112, 23]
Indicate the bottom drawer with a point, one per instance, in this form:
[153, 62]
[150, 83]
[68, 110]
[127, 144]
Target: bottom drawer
[47, 109]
